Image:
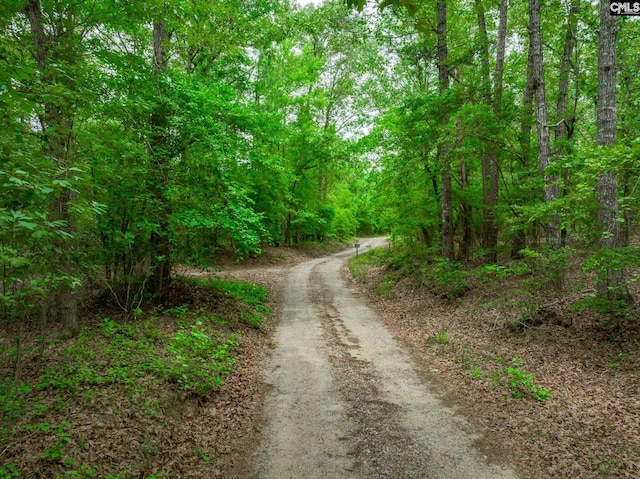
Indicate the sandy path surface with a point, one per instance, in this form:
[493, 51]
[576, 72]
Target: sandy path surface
[346, 401]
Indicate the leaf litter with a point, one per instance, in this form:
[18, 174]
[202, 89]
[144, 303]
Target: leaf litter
[590, 425]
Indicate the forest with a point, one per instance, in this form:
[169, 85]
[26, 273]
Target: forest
[137, 136]
[140, 137]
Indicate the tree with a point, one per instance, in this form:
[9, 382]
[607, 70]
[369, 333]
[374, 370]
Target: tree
[490, 155]
[444, 148]
[56, 52]
[551, 188]
[611, 287]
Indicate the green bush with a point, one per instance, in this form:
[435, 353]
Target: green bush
[446, 279]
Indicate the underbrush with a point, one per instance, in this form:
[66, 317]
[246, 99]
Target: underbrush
[520, 289]
[61, 396]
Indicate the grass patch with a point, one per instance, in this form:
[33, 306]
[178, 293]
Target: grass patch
[251, 299]
[440, 337]
[195, 358]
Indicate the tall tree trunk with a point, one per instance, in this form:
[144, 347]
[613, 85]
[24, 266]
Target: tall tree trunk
[613, 286]
[446, 197]
[57, 133]
[500, 49]
[464, 205]
[627, 125]
[519, 241]
[526, 120]
[465, 215]
[490, 155]
[566, 120]
[564, 129]
[160, 158]
[551, 188]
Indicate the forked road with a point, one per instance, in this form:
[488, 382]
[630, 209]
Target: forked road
[346, 401]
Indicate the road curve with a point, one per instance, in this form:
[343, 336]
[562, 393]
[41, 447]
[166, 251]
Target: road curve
[346, 401]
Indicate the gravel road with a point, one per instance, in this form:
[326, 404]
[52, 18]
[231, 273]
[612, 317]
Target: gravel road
[346, 401]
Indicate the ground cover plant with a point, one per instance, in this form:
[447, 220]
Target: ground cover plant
[64, 400]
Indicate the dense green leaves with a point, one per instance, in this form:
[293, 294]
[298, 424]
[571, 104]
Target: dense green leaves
[137, 135]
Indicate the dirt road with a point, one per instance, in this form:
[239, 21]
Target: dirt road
[346, 401]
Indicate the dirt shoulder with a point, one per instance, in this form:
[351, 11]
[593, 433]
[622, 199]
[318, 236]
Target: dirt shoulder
[589, 425]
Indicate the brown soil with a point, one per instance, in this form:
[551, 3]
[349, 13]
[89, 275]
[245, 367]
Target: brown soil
[588, 428]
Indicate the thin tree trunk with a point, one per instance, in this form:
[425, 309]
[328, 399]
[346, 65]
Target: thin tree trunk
[551, 188]
[625, 235]
[613, 286]
[426, 237]
[519, 241]
[465, 216]
[564, 129]
[500, 49]
[464, 206]
[160, 158]
[57, 126]
[526, 121]
[490, 155]
[446, 197]
[565, 121]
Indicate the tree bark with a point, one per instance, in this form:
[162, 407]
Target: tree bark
[446, 197]
[526, 120]
[490, 155]
[551, 189]
[57, 134]
[519, 240]
[564, 129]
[565, 120]
[500, 49]
[465, 206]
[613, 286]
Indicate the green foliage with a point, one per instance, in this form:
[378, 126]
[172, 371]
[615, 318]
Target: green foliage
[146, 165]
[198, 358]
[200, 361]
[14, 398]
[386, 287]
[254, 298]
[9, 470]
[208, 456]
[446, 279]
[244, 291]
[440, 337]
[614, 363]
[521, 382]
[601, 263]
[369, 259]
